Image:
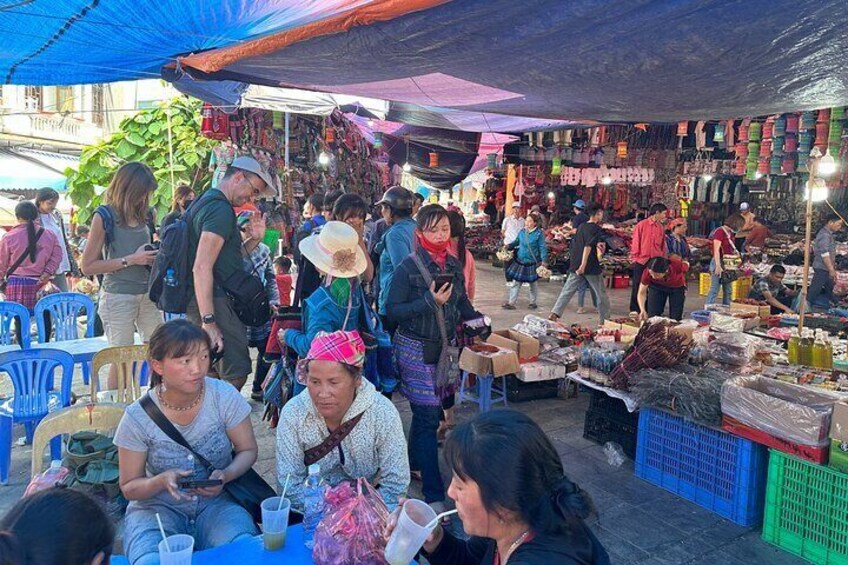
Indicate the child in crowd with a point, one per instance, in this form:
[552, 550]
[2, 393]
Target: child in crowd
[282, 274]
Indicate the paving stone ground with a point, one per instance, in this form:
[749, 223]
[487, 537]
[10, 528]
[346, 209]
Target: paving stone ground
[636, 521]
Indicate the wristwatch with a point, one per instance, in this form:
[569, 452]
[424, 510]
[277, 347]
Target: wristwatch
[208, 319]
[124, 262]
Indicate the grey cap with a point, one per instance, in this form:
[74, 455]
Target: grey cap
[251, 165]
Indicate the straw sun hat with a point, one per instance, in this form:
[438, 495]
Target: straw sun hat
[335, 251]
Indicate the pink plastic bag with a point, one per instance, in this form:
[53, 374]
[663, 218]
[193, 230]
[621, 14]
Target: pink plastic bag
[352, 528]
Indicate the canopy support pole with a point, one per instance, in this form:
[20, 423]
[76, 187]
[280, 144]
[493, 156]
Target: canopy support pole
[815, 155]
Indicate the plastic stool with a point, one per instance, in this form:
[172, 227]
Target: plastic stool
[487, 394]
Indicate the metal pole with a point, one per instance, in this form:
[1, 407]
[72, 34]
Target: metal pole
[815, 155]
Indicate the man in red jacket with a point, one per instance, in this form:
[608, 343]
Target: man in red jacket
[648, 241]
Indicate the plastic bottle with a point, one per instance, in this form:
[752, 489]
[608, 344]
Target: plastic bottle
[170, 277]
[54, 475]
[615, 454]
[794, 348]
[313, 504]
[805, 348]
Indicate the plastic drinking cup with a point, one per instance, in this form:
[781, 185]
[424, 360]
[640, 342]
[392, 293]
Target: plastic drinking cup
[182, 546]
[410, 533]
[275, 520]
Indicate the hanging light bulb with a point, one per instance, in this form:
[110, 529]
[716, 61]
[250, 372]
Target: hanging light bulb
[758, 175]
[407, 167]
[323, 158]
[551, 195]
[827, 165]
[820, 191]
[606, 180]
[707, 177]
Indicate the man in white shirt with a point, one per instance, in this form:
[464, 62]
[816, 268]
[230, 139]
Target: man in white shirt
[512, 224]
[509, 228]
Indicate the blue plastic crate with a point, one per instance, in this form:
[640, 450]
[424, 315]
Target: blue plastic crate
[714, 469]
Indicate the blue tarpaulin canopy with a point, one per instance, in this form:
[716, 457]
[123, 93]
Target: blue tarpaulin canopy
[582, 60]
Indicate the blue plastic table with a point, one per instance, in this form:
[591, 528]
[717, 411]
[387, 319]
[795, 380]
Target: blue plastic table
[251, 552]
[83, 350]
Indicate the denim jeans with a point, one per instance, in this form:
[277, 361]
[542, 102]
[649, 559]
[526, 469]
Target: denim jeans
[581, 295]
[572, 284]
[424, 450]
[515, 289]
[715, 281]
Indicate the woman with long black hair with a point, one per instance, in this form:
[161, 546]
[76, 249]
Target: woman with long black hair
[459, 250]
[46, 200]
[513, 497]
[29, 257]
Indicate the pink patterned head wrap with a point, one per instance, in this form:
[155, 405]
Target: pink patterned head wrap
[342, 347]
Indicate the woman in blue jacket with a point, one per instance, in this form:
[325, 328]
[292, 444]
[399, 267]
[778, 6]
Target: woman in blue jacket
[532, 252]
[338, 255]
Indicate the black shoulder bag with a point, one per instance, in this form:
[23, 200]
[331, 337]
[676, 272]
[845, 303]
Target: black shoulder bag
[249, 490]
[5, 282]
[447, 368]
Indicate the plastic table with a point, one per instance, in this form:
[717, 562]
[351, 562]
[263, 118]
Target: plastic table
[629, 401]
[83, 350]
[251, 552]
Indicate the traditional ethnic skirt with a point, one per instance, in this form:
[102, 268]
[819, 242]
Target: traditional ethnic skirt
[522, 272]
[417, 379]
[23, 290]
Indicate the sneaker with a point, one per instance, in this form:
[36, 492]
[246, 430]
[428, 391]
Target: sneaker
[507, 306]
[553, 317]
[532, 306]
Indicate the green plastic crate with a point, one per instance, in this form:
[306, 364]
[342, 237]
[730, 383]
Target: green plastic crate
[807, 509]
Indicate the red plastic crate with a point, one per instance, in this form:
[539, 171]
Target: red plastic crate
[810, 453]
[621, 281]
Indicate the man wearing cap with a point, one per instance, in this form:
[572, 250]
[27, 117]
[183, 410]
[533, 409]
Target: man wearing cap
[215, 248]
[578, 219]
[396, 243]
[510, 228]
[748, 215]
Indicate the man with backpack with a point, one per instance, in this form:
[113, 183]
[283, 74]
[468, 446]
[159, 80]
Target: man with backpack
[215, 251]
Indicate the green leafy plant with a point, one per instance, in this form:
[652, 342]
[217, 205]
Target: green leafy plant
[144, 137]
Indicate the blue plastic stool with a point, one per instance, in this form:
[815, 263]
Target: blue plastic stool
[487, 393]
[9, 312]
[65, 308]
[33, 376]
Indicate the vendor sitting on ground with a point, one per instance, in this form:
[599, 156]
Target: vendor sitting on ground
[343, 424]
[663, 280]
[772, 290]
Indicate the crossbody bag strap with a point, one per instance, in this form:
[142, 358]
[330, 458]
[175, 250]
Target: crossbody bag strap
[315, 454]
[22, 258]
[168, 428]
[440, 315]
[530, 248]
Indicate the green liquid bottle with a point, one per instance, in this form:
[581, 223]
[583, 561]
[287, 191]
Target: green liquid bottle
[794, 346]
[820, 351]
[805, 348]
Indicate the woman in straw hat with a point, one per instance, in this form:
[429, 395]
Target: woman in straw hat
[338, 256]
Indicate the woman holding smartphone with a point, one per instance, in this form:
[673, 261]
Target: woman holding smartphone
[428, 281]
[159, 476]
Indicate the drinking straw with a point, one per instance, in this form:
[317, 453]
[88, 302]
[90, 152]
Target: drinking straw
[283, 496]
[162, 529]
[435, 520]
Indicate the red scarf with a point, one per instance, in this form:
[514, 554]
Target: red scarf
[438, 251]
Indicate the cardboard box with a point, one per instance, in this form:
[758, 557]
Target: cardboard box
[760, 311]
[535, 372]
[525, 345]
[503, 362]
[839, 422]
[838, 455]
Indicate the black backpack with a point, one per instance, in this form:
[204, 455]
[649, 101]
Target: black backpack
[170, 285]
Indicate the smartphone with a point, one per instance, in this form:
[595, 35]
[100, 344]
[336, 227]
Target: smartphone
[442, 280]
[152, 246]
[189, 483]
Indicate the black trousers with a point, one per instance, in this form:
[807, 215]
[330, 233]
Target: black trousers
[635, 278]
[659, 295]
